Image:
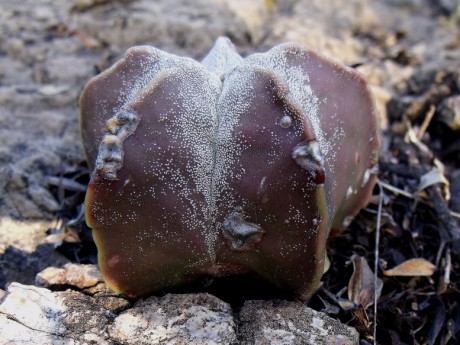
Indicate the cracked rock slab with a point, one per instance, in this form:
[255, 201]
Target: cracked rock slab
[34, 315]
[199, 319]
[290, 323]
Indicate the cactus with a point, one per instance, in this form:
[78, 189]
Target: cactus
[223, 167]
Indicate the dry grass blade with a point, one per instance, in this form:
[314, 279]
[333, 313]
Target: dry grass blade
[66, 183]
[408, 195]
[445, 218]
[376, 256]
[426, 122]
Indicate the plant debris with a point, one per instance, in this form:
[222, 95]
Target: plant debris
[411, 268]
[362, 289]
[419, 244]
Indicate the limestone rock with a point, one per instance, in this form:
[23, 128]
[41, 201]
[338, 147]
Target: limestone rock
[33, 315]
[36, 315]
[293, 323]
[199, 319]
[79, 276]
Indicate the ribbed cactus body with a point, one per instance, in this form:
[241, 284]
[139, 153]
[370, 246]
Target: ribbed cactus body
[227, 166]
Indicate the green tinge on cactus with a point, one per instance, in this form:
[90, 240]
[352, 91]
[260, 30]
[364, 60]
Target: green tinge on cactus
[222, 167]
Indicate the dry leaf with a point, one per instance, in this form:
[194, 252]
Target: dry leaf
[63, 234]
[361, 287]
[412, 268]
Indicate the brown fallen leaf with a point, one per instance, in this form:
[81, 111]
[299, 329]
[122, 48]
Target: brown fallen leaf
[412, 268]
[362, 287]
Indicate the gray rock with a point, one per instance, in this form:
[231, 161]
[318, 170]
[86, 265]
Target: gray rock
[34, 315]
[200, 319]
[290, 323]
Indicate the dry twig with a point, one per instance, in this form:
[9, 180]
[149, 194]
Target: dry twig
[376, 260]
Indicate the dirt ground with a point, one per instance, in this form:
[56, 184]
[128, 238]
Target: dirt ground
[409, 51]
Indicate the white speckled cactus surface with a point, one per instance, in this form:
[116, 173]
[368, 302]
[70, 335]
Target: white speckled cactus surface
[226, 166]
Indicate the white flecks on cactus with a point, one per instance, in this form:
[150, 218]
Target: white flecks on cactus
[225, 166]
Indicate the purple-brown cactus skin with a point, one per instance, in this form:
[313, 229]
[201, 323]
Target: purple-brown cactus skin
[226, 166]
